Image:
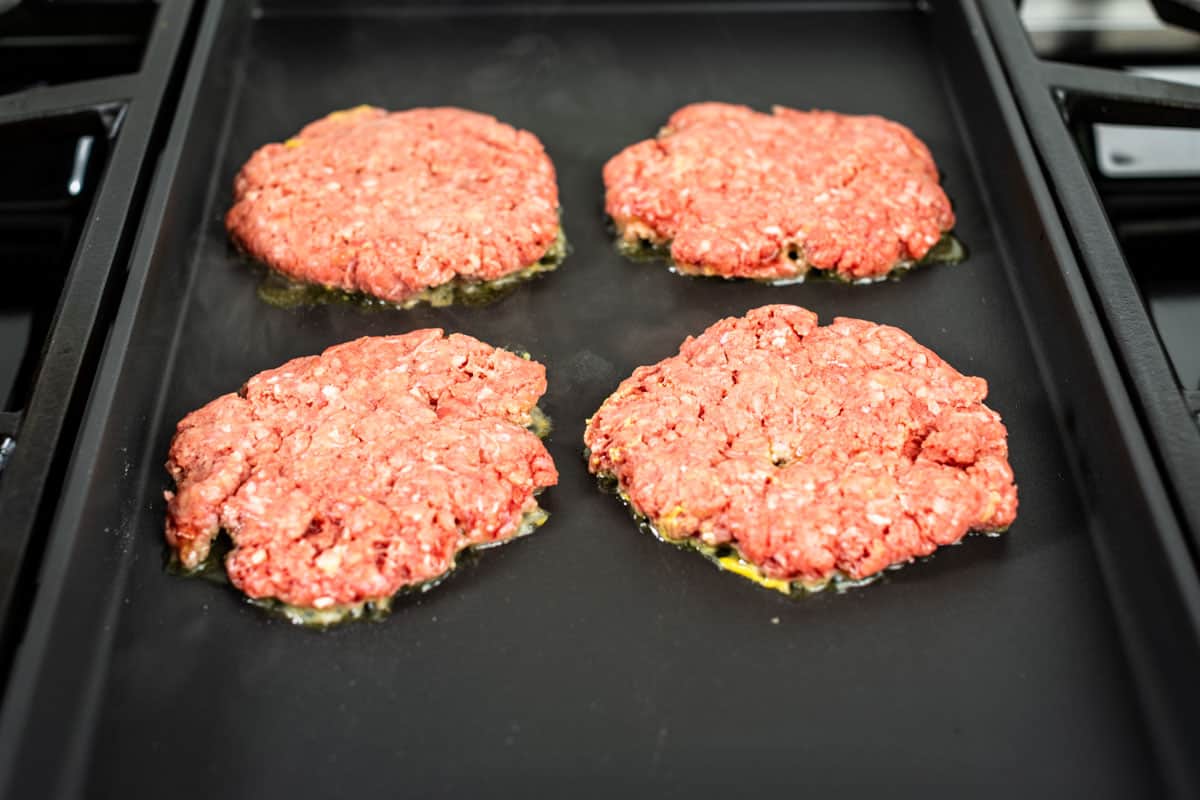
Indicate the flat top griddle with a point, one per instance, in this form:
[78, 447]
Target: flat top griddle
[589, 657]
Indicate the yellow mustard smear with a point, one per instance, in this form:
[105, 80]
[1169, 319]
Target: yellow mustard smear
[729, 562]
[296, 141]
[733, 562]
[739, 567]
[345, 112]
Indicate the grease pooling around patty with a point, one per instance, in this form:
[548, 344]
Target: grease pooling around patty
[729, 191]
[394, 205]
[810, 452]
[344, 478]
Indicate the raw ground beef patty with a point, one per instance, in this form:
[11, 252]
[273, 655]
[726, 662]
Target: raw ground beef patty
[394, 204]
[345, 477]
[741, 194]
[795, 454]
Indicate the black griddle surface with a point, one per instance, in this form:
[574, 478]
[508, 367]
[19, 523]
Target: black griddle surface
[590, 658]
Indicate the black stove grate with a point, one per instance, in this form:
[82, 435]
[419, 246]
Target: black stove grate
[82, 95]
[1137, 279]
[1060, 103]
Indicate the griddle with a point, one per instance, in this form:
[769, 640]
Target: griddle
[589, 658]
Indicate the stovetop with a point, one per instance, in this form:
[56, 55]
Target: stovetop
[83, 115]
[1148, 176]
[85, 89]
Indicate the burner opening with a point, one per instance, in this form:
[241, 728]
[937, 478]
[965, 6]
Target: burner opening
[1149, 182]
[51, 168]
[1162, 256]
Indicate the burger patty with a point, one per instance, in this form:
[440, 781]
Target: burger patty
[394, 204]
[346, 477]
[802, 453]
[733, 192]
